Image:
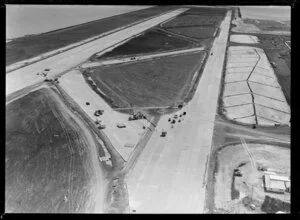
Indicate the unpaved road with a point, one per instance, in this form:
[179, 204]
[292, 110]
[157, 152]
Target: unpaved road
[100, 183]
[60, 63]
[170, 175]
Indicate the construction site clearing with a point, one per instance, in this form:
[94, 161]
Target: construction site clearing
[252, 94]
[247, 173]
[77, 88]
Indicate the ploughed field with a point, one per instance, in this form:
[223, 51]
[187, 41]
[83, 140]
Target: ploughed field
[27, 47]
[196, 23]
[149, 42]
[152, 83]
[47, 158]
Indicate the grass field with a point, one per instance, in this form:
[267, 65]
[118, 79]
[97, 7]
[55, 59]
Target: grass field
[149, 42]
[268, 25]
[31, 46]
[197, 23]
[194, 32]
[192, 20]
[160, 82]
[46, 158]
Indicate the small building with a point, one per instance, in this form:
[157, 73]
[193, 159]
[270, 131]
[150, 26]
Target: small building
[276, 183]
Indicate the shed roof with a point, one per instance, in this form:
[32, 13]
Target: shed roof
[277, 177]
[274, 184]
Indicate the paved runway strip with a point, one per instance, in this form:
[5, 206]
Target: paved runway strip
[26, 76]
[170, 175]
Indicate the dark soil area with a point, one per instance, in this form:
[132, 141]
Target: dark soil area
[272, 205]
[46, 159]
[282, 69]
[149, 42]
[207, 11]
[235, 194]
[151, 83]
[197, 23]
[31, 46]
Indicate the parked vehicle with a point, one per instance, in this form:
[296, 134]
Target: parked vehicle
[121, 125]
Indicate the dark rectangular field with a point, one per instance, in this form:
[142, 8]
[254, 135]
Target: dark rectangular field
[149, 42]
[31, 46]
[152, 83]
[193, 20]
[206, 10]
[46, 159]
[195, 32]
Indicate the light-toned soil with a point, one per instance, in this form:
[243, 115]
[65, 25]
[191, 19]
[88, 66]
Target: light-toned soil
[245, 69]
[236, 77]
[267, 91]
[245, 39]
[231, 157]
[240, 111]
[75, 85]
[247, 120]
[264, 79]
[258, 80]
[236, 88]
[272, 103]
[272, 114]
[237, 100]
[240, 64]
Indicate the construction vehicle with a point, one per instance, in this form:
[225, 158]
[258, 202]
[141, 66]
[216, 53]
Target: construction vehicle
[101, 126]
[47, 69]
[237, 172]
[99, 112]
[173, 122]
[163, 133]
[136, 116]
[262, 168]
[121, 125]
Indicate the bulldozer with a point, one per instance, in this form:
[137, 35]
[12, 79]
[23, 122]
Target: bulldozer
[163, 133]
